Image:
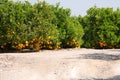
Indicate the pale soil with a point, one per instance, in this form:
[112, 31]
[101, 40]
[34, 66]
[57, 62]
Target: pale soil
[65, 64]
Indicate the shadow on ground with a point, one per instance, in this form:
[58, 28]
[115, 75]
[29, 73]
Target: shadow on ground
[101, 56]
[116, 50]
[17, 51]
[98, 56]
[114, 78]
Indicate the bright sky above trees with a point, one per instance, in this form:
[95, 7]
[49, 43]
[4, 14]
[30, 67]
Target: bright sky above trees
[80, 6]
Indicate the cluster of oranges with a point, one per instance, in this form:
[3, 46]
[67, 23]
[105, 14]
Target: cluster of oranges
[35, 43]
[102, 44]
[21, 45]
[1, 36]
[2, 46]
[48, 44]
[40, 43]
[73, 43]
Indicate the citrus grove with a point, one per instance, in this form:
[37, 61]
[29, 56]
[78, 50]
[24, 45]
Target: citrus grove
[43, 26]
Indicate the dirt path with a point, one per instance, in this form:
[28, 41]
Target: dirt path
[65, 64]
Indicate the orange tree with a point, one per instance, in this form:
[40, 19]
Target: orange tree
[101, 26]
[70, 30]
[38, 26]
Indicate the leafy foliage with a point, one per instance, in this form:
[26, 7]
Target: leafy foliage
[38, 26]
[101, 26]
[44, 26]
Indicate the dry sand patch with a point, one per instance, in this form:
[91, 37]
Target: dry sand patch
[65, 64]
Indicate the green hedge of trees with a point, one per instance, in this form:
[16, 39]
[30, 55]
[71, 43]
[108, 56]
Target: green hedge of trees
[38, 26]
[45, 26]
[102, 28]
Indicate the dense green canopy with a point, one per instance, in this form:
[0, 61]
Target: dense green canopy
[102, 28]
[45, 26]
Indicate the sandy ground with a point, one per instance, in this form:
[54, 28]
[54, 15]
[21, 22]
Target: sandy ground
[65, 64]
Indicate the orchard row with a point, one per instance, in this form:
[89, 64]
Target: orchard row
[45, 26]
